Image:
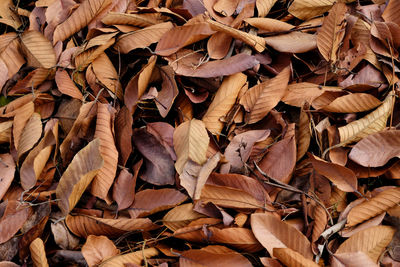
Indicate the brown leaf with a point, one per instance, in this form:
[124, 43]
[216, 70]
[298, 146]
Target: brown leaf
[133, 257]
[40, 52]
[371, 241]
[10, 53]
[264, 6]
[377, 149]
[223, 101]
[306, 9]
[342, 177]
[104, 132]
[213, 256]
[293, 42]
[352, 103]
[290, 257]
[180, 216]
[13, 218]
[142, 37]
[124, 188]
[30, 134]
[80, 172]
[7, 170]
[38, 253]
[268, 24]
[260, 99]
[79, 18]
[158, 162]
[242, 239]
[274, 233]
[352, 259]
[66, 85]
[181, 36]
[374, 206]
[150, 201]
[21, 117]
[332, 32]
[107, 75]
[123, 134]
[190, 143]
[169, 91]
[391, 12]
[97, 249]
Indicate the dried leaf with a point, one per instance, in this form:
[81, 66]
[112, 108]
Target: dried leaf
[38, 253]
[104, 132]
[150, 201]
[7, 170]
[97, 249]
[274, 233]
[352, 259]
[260, 99]
[294, 42]
[372, 241]
[66, 85]
[39, 50]
[107, 75]
[124, 189]
[190, 143]
[290, 257]
[264, 6]
[31, 134]
[80, 172]
[306, 9]
[332, 32]
[377, 149]
[14, 217]
[134, 257]
[374, 206]
[180, 216]
[79, 18]
[239, 238]
[10, 54]
[223, 101]
[371, 123]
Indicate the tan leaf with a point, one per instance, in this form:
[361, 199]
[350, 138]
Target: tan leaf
[229, 197]
[36, 160]
[342, 177]
[260, 99]
[7, 170]
[104, 132]
[83, 57]
[14, 217]
[142, 38]
[268, 24]
[38, 253]
[5, 131]
[374, 206]
[134, 257]
[40, 52]
[242, 239]
[264, 6]
[138, 84]
[293, 42]
[377, 149]
[10, 52]
[150, 201]
[290, 257]
[218, 45]
[303, 135]
[31, 134]
[254, 41]
[181, 36]
[66, 86]
[83, 226]
[372, 241]
[21, 117]
[107, 74]
[332, 32]
[371, 123]
[223, 101]
[274, 233]
[352, 103]
[320, 222]
[140, 20]
[225, 7]
[79, 18]
[97, 249]
[213, 256]
[306, 9]
[190, 143]
[80, 172]
[180, 216]
[7, 12]
[352, 259]
[124, 188]
[391, 12]
[298, 93]
[62, 236]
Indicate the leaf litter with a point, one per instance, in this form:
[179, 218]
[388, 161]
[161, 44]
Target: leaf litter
[199, 133]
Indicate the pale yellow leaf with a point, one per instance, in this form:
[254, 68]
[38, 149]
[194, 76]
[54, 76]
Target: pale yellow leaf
[38, 253]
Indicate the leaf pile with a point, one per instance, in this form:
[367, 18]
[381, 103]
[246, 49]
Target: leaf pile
[199, 133]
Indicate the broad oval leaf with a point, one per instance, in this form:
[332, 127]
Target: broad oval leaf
[294, 42]
[377, 149]
[372, 241]
[274, 233]
[239, 238]
[40, 52]
[223, 101]
[31, 134]
[97, 249]
[135, 258]
[66, 85]
[180, 216]
[374, 206]
[290, 257]
[352, 103]
[259, 100]
[76, 178]
[190, 143]
[38, 253]
[306, 9]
